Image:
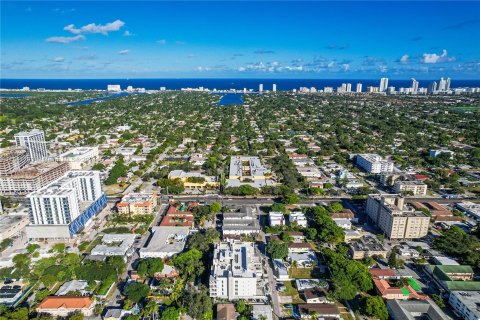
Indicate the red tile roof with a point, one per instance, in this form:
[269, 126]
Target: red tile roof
[55, 302]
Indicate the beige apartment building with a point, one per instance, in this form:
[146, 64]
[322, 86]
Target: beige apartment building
[395, 219]
[417, 188]
[138, 203]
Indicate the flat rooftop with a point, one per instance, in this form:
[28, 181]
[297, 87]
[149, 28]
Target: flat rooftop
[78, 152]
[167, 239]
[61, 186]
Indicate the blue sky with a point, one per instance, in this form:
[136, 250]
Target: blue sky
[124, 39]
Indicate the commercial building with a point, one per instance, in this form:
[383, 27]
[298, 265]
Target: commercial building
[34, 141]
[165, 242]
[115, 245]
[138, 203]
[248, 170]
[242, 222]
[416, 188]
[194, 180]
[466, 304]
[276, 218]
[79, 158]
[60, 306]
[13, 159]
[11, 293]
[366, 247]
[236, 272]
[415, 309]
[31, 178]
[297, 217]
[65, 206]
[395, 219]
[374, 163]
[11, 225]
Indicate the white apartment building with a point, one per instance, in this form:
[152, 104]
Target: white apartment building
[79, 158]
[248, 170]
[417, 188]
[298, 217]
[465, 304]
[34, 141]
[236, 272]
[276, 218]
[374, 163]
[396, 220]
[65, 206]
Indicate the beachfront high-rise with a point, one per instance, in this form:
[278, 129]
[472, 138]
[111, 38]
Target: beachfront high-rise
[260, 87]
[34, 141]
[274, 87]
[414, 86]
[359, 87]
[383, 84]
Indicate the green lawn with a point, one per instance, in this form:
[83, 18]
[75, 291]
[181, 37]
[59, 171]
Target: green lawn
[291, 291]
[302, 273]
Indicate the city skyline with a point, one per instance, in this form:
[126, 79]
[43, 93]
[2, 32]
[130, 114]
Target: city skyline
[224, 40]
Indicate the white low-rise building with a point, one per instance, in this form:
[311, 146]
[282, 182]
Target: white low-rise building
[243, 222]
[248, 171]
[343, 223]
[298, 217]
[115, 245]
[417, 188]
[165, 242]
[276, 218]
[79, 158]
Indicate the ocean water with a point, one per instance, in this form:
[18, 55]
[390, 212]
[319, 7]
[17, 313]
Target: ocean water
[219, 84]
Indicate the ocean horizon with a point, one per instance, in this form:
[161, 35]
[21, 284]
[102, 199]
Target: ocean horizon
[212, 83]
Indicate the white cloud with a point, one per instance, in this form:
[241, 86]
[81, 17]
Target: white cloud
[123, 52]
[128, 34]
[65, 39]
[405, 58]
[94, 28]
[345, 67]
[331, 64]
[162, 41]
[58, 59]
[242, 69]
[383, 68]
[435, 58]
